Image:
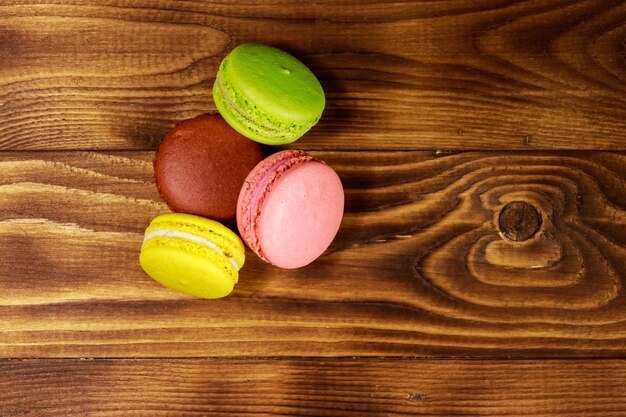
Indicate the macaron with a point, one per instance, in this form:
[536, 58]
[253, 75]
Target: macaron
[267, 95]
[201, 165]
[290, 208]
[192, 255]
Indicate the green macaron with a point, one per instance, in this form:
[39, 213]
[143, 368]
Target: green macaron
[267, 95]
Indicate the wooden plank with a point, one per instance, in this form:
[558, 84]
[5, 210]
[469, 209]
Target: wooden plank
[338, 388]
[462, 74]
[421, 265]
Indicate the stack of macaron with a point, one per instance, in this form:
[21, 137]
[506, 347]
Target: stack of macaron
[211, 170]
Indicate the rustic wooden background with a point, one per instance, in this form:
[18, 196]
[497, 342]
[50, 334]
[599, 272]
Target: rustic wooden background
[431, 301]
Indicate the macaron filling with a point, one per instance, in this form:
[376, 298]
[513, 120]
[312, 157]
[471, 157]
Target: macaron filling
[240, 111]
[194, 238]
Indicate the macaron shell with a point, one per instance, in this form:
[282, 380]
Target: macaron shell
[249, 210]
[267, 95]
[206, 268]
[187, 272]
[300, 215]
[274, 81]
[201, 165]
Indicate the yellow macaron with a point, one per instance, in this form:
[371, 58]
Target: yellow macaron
[193, 255]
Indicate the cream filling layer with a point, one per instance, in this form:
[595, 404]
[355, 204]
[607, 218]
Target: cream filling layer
[194, 238]
[239, 110]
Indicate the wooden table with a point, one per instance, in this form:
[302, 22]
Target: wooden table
[481, 264]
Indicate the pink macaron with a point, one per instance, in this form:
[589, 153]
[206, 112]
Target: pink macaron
[290, 208]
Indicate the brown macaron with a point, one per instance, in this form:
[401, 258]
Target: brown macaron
[201, 166]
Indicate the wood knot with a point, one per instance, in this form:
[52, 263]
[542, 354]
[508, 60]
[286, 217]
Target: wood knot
[415, 396]
[519, 221]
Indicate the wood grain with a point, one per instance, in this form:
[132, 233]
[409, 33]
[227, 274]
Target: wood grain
[419, 267]
[334, 388]
[454, 74]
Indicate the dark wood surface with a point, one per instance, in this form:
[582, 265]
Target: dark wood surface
[420, 265]
[443, 74]
[333, 388]
[481, 264]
